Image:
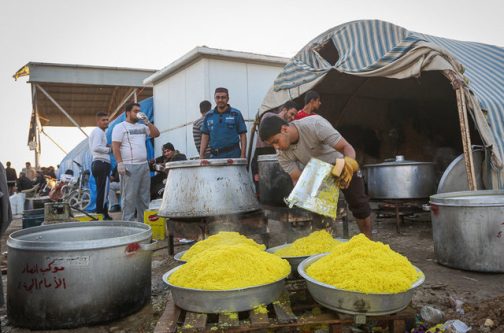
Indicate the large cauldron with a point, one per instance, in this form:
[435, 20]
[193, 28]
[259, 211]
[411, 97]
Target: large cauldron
[274, 183]
[468, 229]
[203, 188]
[73, 274]
[400, 179]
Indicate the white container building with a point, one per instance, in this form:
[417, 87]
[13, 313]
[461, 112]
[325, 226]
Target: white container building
[181, 86]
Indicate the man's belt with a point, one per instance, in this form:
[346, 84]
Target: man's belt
[218, 151]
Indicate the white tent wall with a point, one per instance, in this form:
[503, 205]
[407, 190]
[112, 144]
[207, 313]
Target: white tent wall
[177, 96]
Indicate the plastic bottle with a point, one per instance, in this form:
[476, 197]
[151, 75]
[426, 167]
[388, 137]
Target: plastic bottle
[431, 315]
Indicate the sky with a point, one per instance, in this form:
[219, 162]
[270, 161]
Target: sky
[153, 33]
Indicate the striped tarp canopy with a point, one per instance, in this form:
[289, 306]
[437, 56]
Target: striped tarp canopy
[373, 48]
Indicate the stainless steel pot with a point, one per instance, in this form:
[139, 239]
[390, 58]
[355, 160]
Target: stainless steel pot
[468, 230]
[400, 179]
[201, 188]
[73, 274]
[274, 183]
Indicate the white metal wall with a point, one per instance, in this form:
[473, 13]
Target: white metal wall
[177, 98]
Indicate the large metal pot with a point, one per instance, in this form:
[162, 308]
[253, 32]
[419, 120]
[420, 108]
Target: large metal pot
[274, 183]
[400, 179]
[201, 188]
[72, 274]
[468, 229]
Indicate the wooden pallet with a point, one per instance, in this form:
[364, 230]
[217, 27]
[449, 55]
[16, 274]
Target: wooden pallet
[295, 309]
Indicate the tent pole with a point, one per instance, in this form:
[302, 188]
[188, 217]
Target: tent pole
[466, 139]
[36, 136]
[125, 99]
[38, 149]
[60, 108]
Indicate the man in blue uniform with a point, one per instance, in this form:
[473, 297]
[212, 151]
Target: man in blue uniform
[223, 129]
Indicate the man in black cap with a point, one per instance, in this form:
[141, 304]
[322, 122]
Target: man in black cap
[170, 154]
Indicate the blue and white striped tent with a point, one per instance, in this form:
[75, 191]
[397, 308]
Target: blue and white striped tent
[373, 48]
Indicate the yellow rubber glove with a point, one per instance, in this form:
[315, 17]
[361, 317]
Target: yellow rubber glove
[338, 167]
[351, 167]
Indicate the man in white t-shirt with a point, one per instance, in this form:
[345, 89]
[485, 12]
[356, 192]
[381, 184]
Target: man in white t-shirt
[130, 152]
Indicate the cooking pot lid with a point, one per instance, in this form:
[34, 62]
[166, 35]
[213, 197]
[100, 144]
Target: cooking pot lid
[469, 198]
[398, 161]
[267, 158]
[454, 178]
[79, 236]
[211, 162]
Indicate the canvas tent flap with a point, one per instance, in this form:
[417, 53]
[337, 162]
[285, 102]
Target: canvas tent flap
[373, 48]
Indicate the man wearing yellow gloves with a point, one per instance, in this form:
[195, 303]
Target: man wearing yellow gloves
[300, 140]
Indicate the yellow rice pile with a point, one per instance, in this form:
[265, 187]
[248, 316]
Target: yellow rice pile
[222, 238]
[227, 267]
[365, 266]
[316, 242]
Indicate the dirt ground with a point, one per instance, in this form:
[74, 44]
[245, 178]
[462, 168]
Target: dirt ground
[482, 295]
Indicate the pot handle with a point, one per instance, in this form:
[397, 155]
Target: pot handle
[134, 247]
[149, 246]
[426, 207]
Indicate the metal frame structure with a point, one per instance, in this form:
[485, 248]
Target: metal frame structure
[70, 95]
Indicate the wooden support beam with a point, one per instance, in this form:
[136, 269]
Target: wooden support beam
[228, 320]
[457, 82]
[194, 322]
[466, 139]
[169, 319]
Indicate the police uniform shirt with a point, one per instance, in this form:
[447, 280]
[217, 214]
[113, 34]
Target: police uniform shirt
[224, 128]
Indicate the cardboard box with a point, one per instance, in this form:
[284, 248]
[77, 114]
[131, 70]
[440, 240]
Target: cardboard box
[157, 224]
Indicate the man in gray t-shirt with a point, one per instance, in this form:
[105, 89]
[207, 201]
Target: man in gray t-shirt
[297, 142]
